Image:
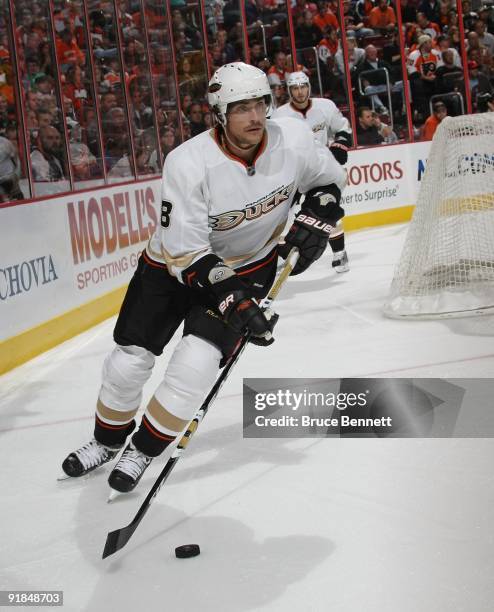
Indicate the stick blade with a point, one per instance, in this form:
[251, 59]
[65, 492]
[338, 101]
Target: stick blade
[117, 539]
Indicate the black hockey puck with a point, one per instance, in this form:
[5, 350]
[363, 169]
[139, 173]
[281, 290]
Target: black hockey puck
[187, 550]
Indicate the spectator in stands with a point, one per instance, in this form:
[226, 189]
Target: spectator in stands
[422, 65]
[486, 14]
[469, 17]
[68, 51]
[392, 55]
[479, 83]
[142, 113]
[186, 129]
[185, 104]
[408, 13]
[444, 18]
[197, 124]
[83, 162]
[193, 37]
[363, 9]
[6, 117]
[375, 84]
[167, 143]
[45, 57]
[431, 9]
[354, 24]
[485, 39]
[444, 44]
[33, 71]
[279, 67]
[325, 17]
[44, 118]
[301, 7]
[384, 130]
[367, 132]
[75, 89]
[447, 84]
[115, 136]
[46, 166]
[356, 57]
[306, 33]
[228, 53]
[188, 83]
[258, 57]
[108, 101]
[455, 38]
[45, 86]
[382, 18]
[328, 46]
[439, 112]
[477, 52]
[10, 172]
[427, 26]
[257, 13]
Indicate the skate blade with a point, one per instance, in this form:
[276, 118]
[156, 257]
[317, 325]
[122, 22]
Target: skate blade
[63, 476]
[341, 269]
[113, 495]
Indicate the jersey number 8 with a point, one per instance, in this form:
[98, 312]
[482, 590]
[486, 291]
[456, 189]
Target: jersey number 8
[166, 209]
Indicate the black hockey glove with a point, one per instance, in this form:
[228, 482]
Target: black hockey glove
[239, 310]
[310, 231]
[339, 148]
[242, 314]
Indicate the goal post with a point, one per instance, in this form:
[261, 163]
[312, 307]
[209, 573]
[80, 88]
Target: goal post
[446, 267]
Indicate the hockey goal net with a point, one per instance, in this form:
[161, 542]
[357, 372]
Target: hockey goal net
[446, 267]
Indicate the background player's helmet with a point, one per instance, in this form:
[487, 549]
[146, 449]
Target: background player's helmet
[234, 82]
[297, 78]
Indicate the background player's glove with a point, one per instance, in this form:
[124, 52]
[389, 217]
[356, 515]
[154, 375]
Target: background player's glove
[310, 231]
[233, 297]
[242, 314]
[339, 148]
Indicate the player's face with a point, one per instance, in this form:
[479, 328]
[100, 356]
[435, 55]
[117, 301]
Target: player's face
[300, 93]
[245, 122]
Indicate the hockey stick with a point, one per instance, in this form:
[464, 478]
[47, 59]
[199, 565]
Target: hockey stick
[117, 539]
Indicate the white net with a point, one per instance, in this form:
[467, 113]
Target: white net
[447, 263]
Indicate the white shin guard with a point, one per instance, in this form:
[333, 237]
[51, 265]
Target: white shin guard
[125, 372]
[191, 373]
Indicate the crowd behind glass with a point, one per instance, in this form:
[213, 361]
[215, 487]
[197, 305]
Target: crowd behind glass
[96, 92]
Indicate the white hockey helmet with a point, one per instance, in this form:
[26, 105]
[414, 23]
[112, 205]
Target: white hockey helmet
[297, 79]
[234, 82]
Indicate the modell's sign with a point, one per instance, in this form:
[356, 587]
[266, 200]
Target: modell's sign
[100, 225]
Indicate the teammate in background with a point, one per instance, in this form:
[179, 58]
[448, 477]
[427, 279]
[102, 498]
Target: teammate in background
[226, 196]
[330, 128]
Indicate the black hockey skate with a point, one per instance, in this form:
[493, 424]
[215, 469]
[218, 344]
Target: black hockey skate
[340, 262]
[129, 469]
[88, 458]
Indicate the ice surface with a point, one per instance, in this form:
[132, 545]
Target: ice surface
[284, 525]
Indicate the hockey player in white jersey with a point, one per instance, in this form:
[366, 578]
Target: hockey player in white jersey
[330, 128]
[226, 199]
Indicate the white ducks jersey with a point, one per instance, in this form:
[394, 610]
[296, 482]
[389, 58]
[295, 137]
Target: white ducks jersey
[214, 203]
[323, 117]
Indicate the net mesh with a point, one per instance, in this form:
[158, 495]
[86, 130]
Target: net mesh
[446, 267]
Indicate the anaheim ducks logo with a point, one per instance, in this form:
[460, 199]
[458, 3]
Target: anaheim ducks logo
[233, 218]
[319, 126]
